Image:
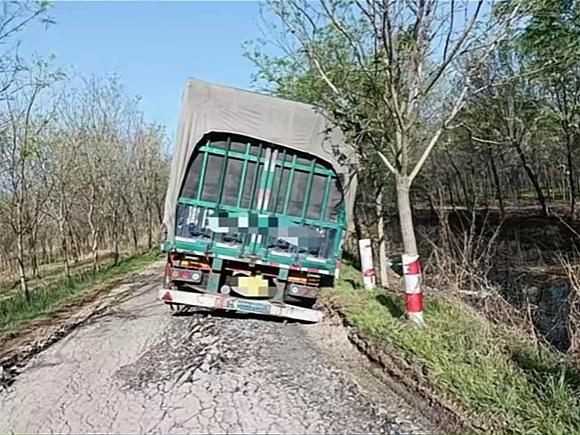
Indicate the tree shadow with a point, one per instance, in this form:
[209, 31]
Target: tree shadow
[394, 306]
[351, 259]
[354, 284]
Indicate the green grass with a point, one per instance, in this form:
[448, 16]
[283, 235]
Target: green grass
[16, 312]
[497, 374]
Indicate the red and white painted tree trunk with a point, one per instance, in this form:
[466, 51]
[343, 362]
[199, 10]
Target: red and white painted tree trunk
[366, 260]
[413, 293]
[411, 267]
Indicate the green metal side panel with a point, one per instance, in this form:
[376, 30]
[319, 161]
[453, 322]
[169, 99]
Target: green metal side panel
[268, 184]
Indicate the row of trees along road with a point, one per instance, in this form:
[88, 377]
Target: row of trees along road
[472, 102]
[81, 171]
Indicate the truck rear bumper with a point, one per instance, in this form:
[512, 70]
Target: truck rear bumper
[231, 303]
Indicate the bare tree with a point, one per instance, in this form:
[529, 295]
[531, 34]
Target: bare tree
[386, 65]
[23, 153]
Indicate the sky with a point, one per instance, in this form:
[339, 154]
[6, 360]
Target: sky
[153, 45]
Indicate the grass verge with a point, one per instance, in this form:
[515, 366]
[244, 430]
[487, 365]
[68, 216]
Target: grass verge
[503, 379]
[16, 312]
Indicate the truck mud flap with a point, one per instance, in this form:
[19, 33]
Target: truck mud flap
[230, 303]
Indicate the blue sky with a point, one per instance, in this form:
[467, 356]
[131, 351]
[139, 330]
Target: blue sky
[153, 45]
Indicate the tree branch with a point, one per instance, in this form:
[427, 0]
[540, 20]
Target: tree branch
[388, 164]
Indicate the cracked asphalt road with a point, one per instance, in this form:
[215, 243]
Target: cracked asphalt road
[137, 368]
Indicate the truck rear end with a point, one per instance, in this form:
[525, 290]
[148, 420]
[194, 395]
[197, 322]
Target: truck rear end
[258, 226]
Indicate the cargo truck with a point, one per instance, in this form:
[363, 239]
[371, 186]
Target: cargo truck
[257, 205]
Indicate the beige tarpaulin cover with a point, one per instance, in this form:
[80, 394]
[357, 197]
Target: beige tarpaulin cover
[208, 108]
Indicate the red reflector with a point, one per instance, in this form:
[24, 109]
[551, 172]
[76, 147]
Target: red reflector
[167, 297]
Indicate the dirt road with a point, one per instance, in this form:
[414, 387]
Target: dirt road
[136, 368]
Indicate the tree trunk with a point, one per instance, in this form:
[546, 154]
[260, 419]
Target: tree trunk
[466, 196]
[74, 244]
[115, 238]
[64, 248]
[449, 186]
[406, 216]
[571, 176]
[496, 182]
[159, 209]
[532, 177]
[358, 235]
[150, 228]
[94, 235]
[383, 266]
[21, 268]
[34, 255]
[45, 257]
[132, 224]
[63, 242]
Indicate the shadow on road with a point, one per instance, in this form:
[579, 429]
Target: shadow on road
[200, 312]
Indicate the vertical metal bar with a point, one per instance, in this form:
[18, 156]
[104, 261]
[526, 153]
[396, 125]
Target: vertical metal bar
[308, 189]
[243, 180]
[264, 191]
[341, 221]
[202, 172]
[223, 173]
[289, 188]
[255, 181]
[279, 184]
[270, 172]
[252, 196]
[327, 185]
[264, 179]
[220, 190]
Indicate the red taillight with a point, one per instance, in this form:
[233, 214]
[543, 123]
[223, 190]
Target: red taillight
[185, 275]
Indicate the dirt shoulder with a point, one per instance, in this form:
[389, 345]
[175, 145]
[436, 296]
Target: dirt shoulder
[402, 377]
[18, 347]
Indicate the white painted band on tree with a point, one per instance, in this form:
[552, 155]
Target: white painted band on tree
[367, 267]
[413, 296]
[412, 284]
